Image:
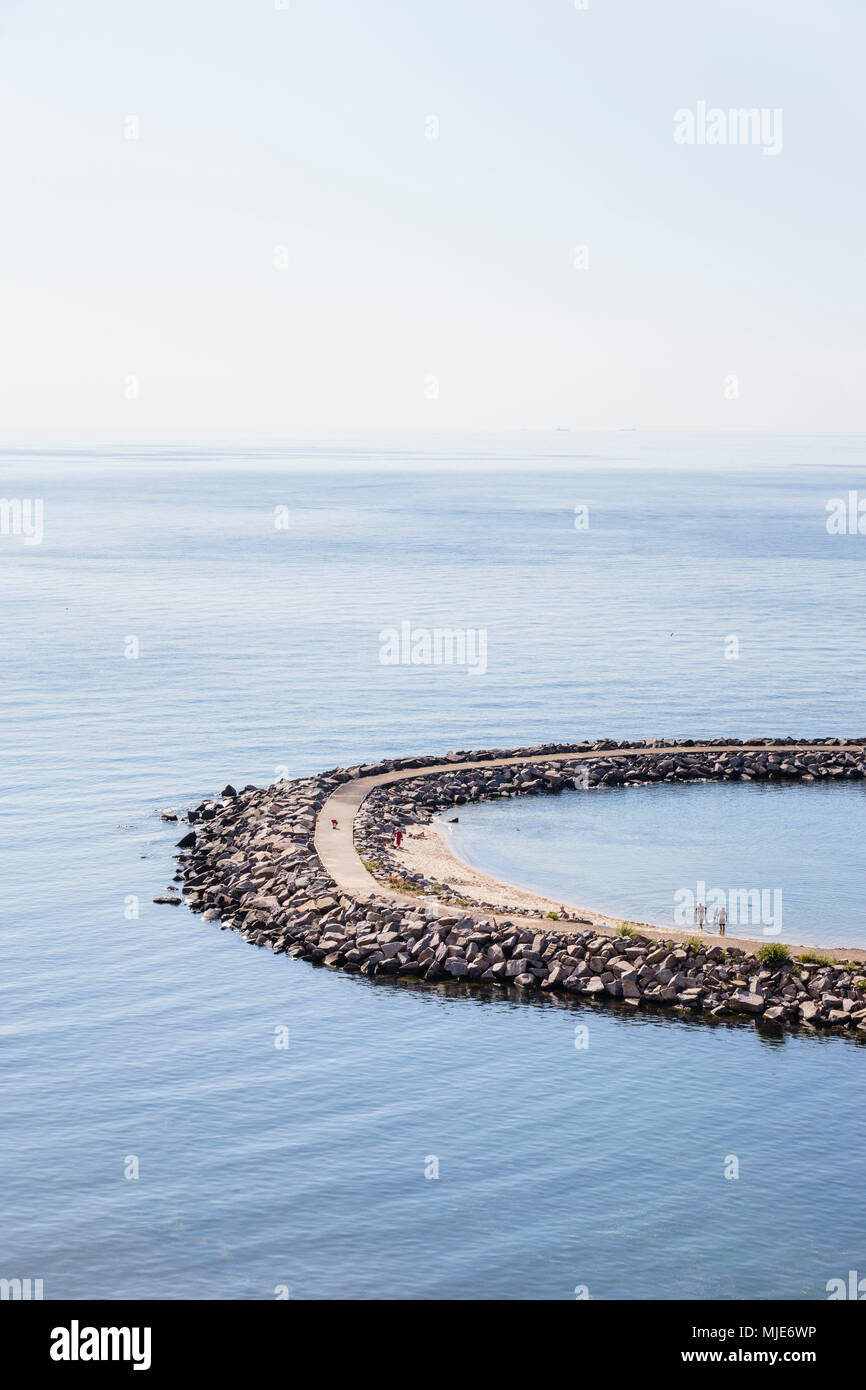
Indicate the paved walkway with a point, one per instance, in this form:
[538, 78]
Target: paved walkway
[336, 848]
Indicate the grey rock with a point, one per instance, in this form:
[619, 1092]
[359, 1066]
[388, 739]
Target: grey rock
[743, 1002]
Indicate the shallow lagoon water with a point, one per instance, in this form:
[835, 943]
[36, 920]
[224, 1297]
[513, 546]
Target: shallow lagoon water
[648, 854]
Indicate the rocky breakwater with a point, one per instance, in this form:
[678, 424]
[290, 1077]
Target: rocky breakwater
[249, 861]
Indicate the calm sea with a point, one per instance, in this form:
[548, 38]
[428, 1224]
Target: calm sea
[171, 633]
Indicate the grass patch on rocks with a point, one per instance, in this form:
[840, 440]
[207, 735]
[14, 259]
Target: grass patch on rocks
[774, 953]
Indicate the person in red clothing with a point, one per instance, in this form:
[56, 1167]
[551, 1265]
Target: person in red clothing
[333, 823]
[398, 837]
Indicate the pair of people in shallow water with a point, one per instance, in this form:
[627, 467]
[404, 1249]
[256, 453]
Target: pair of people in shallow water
[720, 919]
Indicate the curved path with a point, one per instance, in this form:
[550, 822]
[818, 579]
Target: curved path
[336, 848]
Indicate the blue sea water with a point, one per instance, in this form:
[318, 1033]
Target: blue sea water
[149, 1040]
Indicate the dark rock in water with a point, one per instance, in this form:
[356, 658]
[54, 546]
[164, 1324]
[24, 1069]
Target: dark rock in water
[188, 841]
[172, 902]
[453, 820]
[228, 790]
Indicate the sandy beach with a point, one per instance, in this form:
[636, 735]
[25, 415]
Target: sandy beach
[430, 850]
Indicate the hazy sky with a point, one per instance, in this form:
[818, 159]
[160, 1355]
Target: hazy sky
[223, 215]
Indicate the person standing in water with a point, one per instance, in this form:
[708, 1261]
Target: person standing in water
[721, 919]
[700, 916]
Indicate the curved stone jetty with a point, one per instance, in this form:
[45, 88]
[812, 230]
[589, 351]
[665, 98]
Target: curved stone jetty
[270, 864]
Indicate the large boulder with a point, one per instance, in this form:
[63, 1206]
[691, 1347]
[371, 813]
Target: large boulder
[743, 1002]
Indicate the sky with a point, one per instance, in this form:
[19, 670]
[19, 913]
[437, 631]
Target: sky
[266, 219]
